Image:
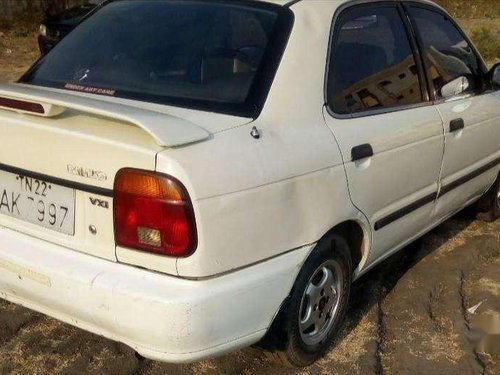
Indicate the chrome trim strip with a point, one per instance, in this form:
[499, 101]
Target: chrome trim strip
[59, 181]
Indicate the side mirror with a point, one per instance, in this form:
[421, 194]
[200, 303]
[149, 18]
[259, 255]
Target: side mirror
[495, 77]
[456, 87]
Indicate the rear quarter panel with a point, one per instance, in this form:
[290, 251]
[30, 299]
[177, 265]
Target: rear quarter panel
[256, 199]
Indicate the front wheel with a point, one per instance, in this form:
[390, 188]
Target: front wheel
[318, 303]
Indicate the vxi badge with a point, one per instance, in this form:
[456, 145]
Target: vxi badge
[99, 203]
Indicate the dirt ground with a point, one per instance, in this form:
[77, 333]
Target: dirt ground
[408, 316]
[16, 55]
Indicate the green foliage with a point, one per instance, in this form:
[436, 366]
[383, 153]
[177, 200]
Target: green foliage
[24, 17]
[487, 42]
[22, 25]
[4, 23]
[472, 8]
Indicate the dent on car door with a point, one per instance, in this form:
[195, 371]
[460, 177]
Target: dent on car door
[470, 113]
[390, 135]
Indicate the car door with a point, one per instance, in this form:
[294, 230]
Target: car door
[471, 118]
[390, 135]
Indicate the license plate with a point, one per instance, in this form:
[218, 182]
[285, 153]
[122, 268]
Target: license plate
[38, 202]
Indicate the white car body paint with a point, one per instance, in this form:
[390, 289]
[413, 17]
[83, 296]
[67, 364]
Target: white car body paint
[161, 317]
[178, 133]
[481, 116]
[260, 205]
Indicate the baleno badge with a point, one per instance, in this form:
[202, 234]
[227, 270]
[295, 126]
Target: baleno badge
[87, 173]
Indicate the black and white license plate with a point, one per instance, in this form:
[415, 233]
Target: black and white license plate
[38, 202]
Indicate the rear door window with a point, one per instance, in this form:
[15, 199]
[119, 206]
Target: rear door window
[372, 65]
[447, 54]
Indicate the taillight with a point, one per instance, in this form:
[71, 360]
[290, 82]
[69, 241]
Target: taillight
[153, 213]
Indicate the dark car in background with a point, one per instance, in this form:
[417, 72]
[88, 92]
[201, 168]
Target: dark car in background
[56, 27]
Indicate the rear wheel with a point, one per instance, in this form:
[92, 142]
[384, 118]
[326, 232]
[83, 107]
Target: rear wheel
[318, 302]
[491, 203]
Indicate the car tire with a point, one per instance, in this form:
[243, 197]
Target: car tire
[316, 307]
[490, 204]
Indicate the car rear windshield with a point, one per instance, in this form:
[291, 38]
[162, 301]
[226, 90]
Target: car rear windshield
[206, 54]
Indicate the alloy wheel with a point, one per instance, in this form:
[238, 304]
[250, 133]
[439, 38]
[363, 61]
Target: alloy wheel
[320, 303]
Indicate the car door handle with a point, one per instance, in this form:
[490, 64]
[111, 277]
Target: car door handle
[362, 152]
[456, 125]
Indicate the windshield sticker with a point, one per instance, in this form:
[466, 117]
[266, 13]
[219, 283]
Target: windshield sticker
[89, 89]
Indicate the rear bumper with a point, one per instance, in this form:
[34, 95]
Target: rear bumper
[162, 317]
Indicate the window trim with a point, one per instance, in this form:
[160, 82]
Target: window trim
[481, 63]
[413, 45]
[417, 52]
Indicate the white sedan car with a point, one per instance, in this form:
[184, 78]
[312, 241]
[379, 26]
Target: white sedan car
[191, 177]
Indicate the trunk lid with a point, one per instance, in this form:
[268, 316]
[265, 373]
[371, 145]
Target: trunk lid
[57, 168]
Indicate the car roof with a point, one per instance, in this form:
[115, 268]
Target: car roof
[277, 2]
[287, 2]
[339, 2]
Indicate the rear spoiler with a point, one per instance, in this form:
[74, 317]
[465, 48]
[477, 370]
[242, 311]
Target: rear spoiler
[166, 130]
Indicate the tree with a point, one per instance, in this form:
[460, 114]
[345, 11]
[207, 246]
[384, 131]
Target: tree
[15, 8]
[54, 6]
